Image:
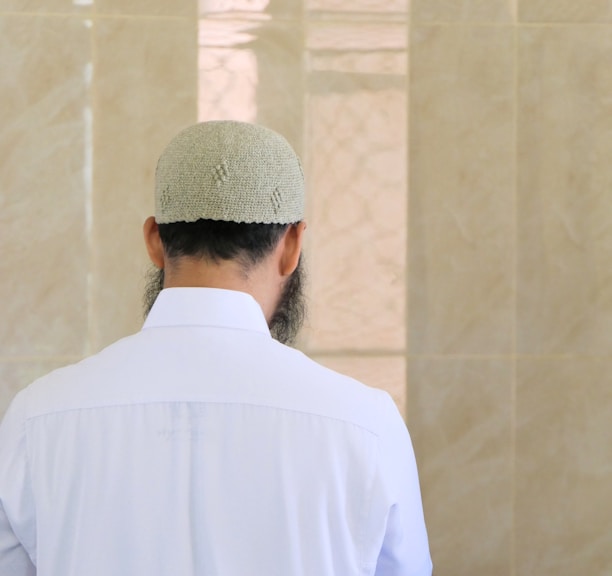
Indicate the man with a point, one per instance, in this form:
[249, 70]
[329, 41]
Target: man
[201, 445]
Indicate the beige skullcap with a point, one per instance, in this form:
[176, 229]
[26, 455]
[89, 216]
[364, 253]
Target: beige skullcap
[232, 171]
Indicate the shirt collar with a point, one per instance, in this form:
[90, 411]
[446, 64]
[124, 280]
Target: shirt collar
[207, 307]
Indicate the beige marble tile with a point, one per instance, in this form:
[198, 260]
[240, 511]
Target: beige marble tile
[355, 158]
[356, 42]
[461, 226]
[260, 9]
[16, 375]
[460, 418]
[166, 8]
[462, 10]
[373, 7]
[564, 203]
[140, 105]
[44, 99]
[84, 7]
[564, 11]
[564, 466]
[385, 372]
[252, 71]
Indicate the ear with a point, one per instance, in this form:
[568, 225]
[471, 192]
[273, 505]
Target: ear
[291, 248]
[153, 242]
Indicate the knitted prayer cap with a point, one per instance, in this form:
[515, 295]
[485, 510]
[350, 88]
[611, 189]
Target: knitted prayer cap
[232, 171]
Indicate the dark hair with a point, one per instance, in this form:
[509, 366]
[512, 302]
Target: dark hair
[218, 240]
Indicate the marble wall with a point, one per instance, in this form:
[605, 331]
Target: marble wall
[460, 223]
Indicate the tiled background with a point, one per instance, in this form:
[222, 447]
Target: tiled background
[458, 156]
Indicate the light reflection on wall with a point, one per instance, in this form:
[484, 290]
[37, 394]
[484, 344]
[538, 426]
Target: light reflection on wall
[225, 6]
[227, 71]
[356, 115]
[227, 65]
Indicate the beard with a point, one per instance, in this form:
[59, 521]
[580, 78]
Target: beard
[288, 317]
[154, 284]
[290, 312]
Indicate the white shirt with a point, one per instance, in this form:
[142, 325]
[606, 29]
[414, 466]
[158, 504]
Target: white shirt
[201, 446]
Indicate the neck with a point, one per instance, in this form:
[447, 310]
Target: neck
[188, 272]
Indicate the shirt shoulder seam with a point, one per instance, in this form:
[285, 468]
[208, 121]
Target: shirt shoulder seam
[224, 402]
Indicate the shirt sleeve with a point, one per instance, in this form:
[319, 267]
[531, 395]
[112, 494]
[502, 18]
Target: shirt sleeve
[17, 534]
[405, 546]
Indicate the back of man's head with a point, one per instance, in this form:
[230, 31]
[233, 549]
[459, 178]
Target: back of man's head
[227, 191]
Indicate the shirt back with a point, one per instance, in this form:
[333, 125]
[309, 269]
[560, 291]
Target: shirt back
[200, 446]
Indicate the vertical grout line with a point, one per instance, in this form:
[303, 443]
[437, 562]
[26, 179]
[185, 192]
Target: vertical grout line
[305, 156]
[304, 99]
[408, 87]
[515, 36]
[196, 22]
[88, 185]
